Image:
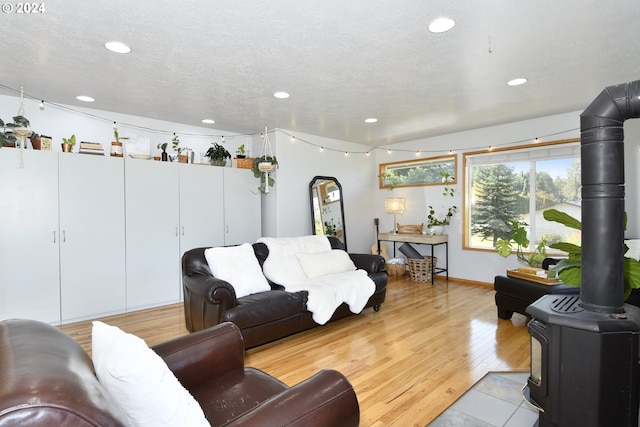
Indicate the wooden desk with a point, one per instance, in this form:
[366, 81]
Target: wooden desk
[421, 239]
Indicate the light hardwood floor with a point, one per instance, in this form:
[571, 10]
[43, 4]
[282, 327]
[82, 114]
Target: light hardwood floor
[407, 363]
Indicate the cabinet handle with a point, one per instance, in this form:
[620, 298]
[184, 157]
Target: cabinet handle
[64, 236]
[176, 231]
[226, 227]
[182, 230]
[54, 236]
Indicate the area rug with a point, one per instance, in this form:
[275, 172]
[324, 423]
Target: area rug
[494, 401]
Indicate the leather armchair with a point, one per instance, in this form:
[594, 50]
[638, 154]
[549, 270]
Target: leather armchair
[47, 379]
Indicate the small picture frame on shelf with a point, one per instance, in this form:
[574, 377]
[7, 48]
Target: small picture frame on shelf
[45, 143]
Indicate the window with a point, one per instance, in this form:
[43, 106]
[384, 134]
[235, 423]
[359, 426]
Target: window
[519, 184]
[411, 173]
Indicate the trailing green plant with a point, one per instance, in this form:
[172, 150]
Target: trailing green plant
[569, 269]
[241, 152]
[163, 146]
[518, 242]
[71, 140]
[433, 221]
[262, 176]
[18, 122]
[389, 180]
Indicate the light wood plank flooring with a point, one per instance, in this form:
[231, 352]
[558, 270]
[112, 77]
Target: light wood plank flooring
[407, 363]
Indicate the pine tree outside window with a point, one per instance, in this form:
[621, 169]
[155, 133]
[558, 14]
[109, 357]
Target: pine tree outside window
[518, 184]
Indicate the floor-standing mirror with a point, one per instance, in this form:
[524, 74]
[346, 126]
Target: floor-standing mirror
[327, 209]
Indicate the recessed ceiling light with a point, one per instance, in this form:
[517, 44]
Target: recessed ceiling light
[85, 98]
[281, 95]
[117, 47]
[371, 120]
[441, 25]
[208, 121]
[517, 82]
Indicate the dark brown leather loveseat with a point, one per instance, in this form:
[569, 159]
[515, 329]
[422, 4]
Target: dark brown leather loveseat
[46, 379]
[265, 316]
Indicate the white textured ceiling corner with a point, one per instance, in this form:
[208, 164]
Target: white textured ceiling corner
[342, 62]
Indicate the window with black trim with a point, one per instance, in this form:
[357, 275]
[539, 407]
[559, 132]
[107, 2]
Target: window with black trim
[518, 184]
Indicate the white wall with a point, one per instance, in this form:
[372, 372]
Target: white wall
[286, 208]
[483, 265]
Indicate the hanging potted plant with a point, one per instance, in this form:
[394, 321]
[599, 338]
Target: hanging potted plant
[262, 168]
[218, 155]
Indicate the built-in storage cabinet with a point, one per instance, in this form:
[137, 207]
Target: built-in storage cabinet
[29, 236]
[88, 236]
[241, 207]
[92, 259]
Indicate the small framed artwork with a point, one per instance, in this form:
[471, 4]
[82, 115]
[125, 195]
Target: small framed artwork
[45, 143]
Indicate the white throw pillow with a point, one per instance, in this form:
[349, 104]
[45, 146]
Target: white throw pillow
[140, 381]
[327, 262]
[239, 266]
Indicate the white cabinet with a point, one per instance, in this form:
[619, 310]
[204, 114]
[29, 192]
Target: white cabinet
[29, 269]
[201, 207]
[242, 217]
[153, 221]
[92, 236]
[86, 236]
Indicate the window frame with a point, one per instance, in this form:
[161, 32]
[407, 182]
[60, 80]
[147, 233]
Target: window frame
[452, 180]
[466, 235]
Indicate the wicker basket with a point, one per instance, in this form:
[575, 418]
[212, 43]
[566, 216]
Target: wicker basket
[396, 270]
[246, 163]
[420, 269]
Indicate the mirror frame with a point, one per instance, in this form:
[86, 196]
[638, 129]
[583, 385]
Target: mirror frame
[314, 182]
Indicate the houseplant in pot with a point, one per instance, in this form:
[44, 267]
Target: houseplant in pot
[116, 146]
[7, 139]
[262, 167]
[68, 143]
[175, 143]
[163, 146]
[218, 155]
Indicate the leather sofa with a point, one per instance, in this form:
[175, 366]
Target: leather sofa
[514, 295]
[264, 316]
[46, 379]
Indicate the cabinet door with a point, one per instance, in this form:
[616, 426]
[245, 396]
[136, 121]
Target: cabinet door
[242, 207]
[29, 252]
[92, 263]
[153, 251]
[201, 207]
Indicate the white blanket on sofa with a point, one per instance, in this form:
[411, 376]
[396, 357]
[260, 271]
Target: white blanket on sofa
[326, 292]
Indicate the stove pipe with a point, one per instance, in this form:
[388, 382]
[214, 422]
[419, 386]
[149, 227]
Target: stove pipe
[602, 153]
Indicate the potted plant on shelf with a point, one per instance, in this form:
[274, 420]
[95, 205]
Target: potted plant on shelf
[8, 139]
[262, 167]
[68, 143]
[218, 155]
[175, 143]
[116, 146]
[436, 224]
[240, 152]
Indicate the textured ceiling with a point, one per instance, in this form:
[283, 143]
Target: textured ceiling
[341, 61]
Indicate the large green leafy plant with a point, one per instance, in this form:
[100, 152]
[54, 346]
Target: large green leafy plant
[569, 269]
[518, 242]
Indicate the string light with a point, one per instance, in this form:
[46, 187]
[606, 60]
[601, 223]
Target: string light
[417, 153]
[346, 154]
[293, 138]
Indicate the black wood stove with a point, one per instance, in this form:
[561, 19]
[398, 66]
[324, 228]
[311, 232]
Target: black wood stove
[584, 349]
